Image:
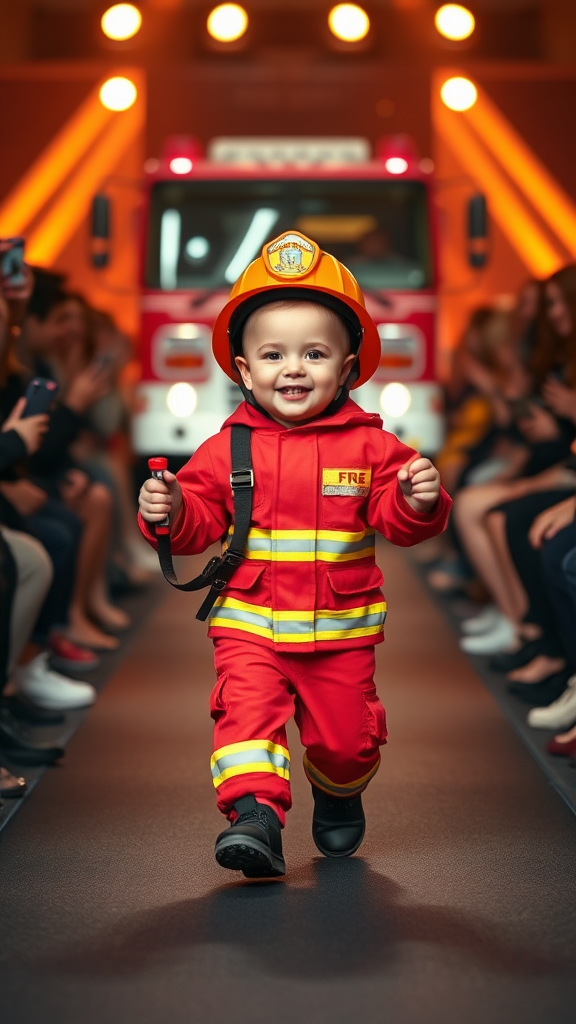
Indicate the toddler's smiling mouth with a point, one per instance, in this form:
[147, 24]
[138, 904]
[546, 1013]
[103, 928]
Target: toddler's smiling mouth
[294, 391]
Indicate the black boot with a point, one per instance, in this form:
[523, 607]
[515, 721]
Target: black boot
[22, 750]
[253, 844]
[338, 824]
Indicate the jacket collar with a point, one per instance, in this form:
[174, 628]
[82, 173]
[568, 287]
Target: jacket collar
[349, 414]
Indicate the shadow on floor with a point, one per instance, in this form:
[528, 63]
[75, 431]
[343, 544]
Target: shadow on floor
[334, 919]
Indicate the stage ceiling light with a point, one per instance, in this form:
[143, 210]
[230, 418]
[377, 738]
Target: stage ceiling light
[118, 94]
[454, 21]
[227, 23]
[122, 21]
[459, 93]
[349, 22]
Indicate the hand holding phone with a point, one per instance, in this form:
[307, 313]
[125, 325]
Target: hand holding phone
[31, 429]
[12, 262]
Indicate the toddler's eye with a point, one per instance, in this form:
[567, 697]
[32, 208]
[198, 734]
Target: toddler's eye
[314, 354]
[272, 355]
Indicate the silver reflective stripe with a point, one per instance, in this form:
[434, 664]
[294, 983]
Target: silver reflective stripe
[250, 757]
[242, 615]
[342, 547]
[360, 622]
[313, 547]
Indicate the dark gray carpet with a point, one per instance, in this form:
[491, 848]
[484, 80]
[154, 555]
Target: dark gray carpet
[460, 909]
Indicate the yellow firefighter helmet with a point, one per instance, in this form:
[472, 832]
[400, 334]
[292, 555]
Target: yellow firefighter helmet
[293, 266]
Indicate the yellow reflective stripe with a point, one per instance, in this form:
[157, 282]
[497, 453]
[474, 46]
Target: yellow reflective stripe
[293, 616]
[307, 545]
[237, 748]
[350, 613]
[337, 535]
[297, 627]
[242, 758]
[246, 627]
[338, 788]
[243, 606]
[348, 634]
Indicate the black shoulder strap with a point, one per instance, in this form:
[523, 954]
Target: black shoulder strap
[219, 571]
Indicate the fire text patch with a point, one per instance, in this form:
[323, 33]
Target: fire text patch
[348, 483]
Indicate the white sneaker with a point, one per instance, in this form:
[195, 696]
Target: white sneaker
[481, 623]
[498, 640]
[559, 715]
[50, 690]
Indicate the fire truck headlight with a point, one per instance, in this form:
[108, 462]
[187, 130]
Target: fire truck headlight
[182, 400]
[395, 400]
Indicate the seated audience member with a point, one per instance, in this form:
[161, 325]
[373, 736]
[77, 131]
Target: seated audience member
[55, 336]
[104, 449]
[487, 376]
[27, 564]
[548, 432]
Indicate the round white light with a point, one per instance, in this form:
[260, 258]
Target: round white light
[122, 21]
[198, 247]
[454, 21]
[459, 93]
[395, 400]
[118, 94]
[181, 165]
[396, 165]
[182, 400]
[349, 22]
[227, 22]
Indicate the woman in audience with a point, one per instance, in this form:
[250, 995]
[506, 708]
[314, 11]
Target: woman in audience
[487, 375]
[548, 433]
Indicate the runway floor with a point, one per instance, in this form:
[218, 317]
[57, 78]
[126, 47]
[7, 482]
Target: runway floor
[458, 910]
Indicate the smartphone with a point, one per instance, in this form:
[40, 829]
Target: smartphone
[12, 262]
[40, 394]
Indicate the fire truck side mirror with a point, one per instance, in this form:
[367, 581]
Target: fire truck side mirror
[100, 231]
[477, 231]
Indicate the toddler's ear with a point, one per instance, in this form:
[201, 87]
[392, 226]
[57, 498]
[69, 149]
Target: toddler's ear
[346, 367]
[244, 371]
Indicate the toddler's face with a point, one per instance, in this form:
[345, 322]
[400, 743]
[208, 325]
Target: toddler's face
[295, 358]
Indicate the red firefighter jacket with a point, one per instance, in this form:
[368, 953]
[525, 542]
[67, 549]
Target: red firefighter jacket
[309, 580]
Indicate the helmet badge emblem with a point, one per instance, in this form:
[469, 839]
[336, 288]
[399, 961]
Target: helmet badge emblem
[291, 255]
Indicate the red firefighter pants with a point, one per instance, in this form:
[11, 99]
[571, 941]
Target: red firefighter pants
[333, 699]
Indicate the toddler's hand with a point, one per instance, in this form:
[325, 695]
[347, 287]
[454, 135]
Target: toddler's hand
[420, 483]
[159, 498]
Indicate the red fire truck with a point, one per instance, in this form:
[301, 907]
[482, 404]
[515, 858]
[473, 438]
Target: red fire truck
[207, 216]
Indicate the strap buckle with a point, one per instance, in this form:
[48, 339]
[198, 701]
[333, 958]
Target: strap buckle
[241, 478]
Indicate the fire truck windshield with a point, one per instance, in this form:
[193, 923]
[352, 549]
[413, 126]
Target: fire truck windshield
[202, 234]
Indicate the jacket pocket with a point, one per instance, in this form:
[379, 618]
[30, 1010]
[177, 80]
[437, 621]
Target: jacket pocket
[350, 587]
[355, 579]
[375, 718]
[218, 697]
[247, 576]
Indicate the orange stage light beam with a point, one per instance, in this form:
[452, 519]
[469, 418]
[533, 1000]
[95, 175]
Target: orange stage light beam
[510, 212]
[53, 165]
[526, 169]
[66, 214]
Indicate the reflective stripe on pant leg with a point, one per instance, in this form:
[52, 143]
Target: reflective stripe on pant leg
[336, 788]
[249, 756]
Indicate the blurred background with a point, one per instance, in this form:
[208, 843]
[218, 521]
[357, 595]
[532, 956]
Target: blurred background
[278, 72]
